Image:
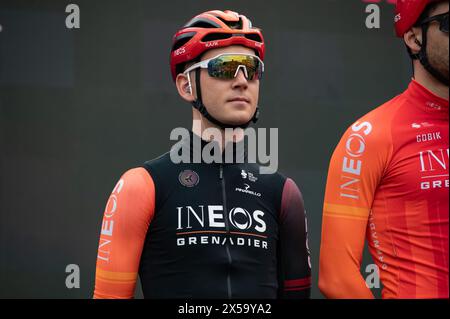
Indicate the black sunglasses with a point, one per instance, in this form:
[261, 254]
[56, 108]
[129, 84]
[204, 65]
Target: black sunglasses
[441, 18]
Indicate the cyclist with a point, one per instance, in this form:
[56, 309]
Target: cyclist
[207, 230]
[388, 177]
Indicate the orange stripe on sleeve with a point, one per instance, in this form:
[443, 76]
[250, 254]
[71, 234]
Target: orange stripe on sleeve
[353, 212]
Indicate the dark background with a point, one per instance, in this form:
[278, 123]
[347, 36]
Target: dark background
[79, 107]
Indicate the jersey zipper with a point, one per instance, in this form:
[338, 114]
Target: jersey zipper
[227, 226]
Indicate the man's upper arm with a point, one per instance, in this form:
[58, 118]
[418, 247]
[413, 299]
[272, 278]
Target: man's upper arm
[128, 213]
[355, 170]
[295, 276]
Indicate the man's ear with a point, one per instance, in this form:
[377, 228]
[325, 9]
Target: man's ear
[184, 87]
[413, 39]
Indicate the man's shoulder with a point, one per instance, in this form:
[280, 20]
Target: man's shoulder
[382, 114]
[385, 111]
[162, 160]
[375, 126]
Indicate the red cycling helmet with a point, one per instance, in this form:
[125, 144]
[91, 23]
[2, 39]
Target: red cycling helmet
[210, 30]
[407, 12]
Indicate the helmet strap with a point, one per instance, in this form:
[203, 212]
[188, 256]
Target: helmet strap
[423, 58]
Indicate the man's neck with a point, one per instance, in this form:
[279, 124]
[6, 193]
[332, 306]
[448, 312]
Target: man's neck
[428, 81]
[206, 130]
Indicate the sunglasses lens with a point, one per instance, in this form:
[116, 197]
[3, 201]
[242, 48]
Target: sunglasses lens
[444, 24]
[225, 66]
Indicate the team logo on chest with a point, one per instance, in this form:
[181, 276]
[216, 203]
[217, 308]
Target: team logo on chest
[247, 190]
[212, 225]
[434, 168]
[188, 178]
[248, 176]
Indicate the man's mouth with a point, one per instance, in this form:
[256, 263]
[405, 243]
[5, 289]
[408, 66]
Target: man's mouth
[239, 99]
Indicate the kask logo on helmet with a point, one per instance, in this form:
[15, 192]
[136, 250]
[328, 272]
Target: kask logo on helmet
[211, 44]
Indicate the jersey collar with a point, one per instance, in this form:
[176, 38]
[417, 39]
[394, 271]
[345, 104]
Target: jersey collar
[427, 100]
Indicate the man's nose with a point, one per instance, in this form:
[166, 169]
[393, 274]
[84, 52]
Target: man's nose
[240, 79]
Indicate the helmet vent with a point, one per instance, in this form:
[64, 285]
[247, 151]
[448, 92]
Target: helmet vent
[253, 37]
[216, 36]
[182, 40]
[201, 23]
[232, 24]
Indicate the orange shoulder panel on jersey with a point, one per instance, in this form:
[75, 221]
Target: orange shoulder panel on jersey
[127, 216]
[356, 167]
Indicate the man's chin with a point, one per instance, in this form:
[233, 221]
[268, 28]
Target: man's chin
[237, 121]
[238, 117]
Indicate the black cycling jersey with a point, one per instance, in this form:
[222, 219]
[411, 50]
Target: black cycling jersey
[223, 230]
